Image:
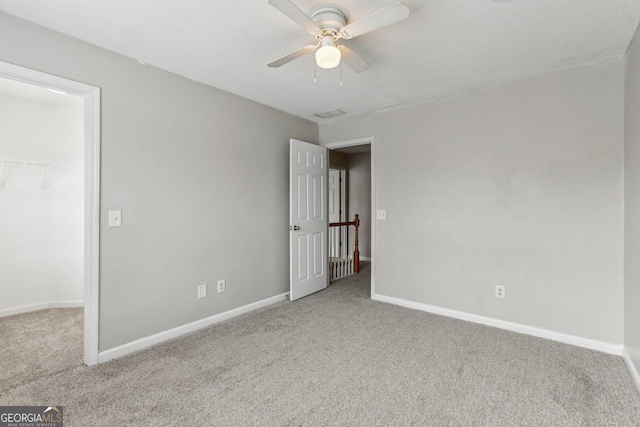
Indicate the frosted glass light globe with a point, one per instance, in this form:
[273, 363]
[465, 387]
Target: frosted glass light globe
[328, 56]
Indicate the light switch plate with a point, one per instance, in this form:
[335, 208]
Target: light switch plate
[115, 218]
[202, 291]
[381, 214]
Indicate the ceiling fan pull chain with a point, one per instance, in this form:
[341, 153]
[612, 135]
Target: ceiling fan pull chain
[315, 72]
[340, 73]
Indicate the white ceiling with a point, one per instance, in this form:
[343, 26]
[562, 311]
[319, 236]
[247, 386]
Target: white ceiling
[445, 47]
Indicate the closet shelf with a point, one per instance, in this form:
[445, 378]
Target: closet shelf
[7, 162]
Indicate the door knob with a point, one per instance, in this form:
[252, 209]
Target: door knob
[296, 228]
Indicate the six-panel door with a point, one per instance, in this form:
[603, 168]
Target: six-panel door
[308, 219]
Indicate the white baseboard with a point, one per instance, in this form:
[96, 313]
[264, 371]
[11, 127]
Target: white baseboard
[66, 304]
[142, 343]
[632, 367]
[502, 324]
[40, 306]
[23, 309]
[365, 258]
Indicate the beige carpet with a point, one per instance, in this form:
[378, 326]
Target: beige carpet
[38, 344]
[336, 358]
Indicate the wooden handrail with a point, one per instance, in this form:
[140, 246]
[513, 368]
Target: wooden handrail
[356, 252]
[338, 224]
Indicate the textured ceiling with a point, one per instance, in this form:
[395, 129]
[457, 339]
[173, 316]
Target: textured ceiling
[445, 47]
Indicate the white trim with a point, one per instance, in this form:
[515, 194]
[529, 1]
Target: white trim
[92, 227]
[66, 304]
[23, 309]
[169, 334]
[40, 306]
[363, 141]
[632, 367]
[365, 258]
[509, 326]
[338, 168]
[349, 143]
[91, 96]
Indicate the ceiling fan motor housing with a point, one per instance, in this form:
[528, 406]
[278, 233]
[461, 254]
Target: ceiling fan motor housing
[328, 24]
[330, 20]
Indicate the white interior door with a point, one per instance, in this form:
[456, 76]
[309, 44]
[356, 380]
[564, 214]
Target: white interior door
[335, 196]
[308, 219]
[337, 208]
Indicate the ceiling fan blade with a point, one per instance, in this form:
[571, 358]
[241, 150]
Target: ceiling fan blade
[291, 56]
[296, 15]
[355, 62]
[387, 16]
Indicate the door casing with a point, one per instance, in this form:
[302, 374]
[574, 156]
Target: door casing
[351, 143]
[91, 95]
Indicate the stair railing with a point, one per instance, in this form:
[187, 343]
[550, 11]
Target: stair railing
[344, 256]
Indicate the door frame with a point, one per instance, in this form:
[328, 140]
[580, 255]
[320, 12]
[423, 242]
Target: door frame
[91, 95]
[363, 141]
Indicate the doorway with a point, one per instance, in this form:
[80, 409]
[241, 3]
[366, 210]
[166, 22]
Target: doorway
[41, 182]
[360, 189]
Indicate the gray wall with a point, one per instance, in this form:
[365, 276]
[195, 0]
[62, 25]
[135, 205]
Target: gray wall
[518, 185]
[201, 177]
[632, 204]
[359, 197]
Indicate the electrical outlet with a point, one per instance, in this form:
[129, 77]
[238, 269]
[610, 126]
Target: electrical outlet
[500, 291]
[202, 291]
[222, 286]
[381, 214]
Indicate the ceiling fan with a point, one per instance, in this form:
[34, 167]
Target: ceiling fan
[328, 24]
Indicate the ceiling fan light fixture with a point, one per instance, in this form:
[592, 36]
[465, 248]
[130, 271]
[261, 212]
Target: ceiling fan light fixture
[328, 55]
[329, 24]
